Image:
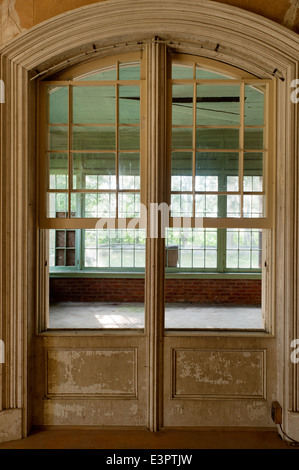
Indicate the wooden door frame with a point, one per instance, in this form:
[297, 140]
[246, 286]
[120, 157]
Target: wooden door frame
[212, 30]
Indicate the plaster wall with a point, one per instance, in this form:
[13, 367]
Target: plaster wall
[16, 16]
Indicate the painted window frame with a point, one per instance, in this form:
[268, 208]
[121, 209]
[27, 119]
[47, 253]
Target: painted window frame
[218, 223]
[221, 270]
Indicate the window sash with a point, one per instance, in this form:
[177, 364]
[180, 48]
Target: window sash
[80, 248]
[267, 151]
[193, 221]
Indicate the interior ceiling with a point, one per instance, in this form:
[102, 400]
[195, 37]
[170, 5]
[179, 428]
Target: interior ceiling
[19, 15]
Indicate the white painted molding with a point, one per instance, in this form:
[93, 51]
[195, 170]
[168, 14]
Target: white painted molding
[199, 22]
[156, 162]
[210, 29]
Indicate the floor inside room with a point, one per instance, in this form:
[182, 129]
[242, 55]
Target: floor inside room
[131, 315]
[143, 439]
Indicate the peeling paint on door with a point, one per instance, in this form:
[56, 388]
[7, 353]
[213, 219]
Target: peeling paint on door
[230, 373]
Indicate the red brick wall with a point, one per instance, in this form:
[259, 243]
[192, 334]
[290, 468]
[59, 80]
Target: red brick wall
[239, 291]
[231, 291]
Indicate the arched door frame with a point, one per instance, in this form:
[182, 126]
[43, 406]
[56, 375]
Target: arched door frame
[205, 28]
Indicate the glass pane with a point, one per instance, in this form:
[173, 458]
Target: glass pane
[70, 238]
[254, 105]
[206, 302]
[115, 248]
[209, 302]
[185, 258]
[60, 258]
[244, 259]
[99, 302]
[90, 238]
[129, 71]
[244, 239]
[90, 257]
[58, 138]
[60, 238]
[191, 248]
[99, 205]
[182, 71]
[256, 239]
[253, 206]
[181, 205]
[206, 183]
[199, 238]
[58, 104]
[70, 257]
[244, 248]
[217, 138]
[210, 259]
[140, 257]
[182, 138]
[218, 105]
[182, 105]
[129, 170]
[128, 258]
[129, 104]
[206, 205]
[253, 139]
[128, 205]
[212, 169]
[58, 170]
[108, 73]
[253, 172]
[181, 171]
[51, 258]
[93, 138]
[57, 205]
[232, 183]
[217, 206]
[232, 259]
[198, 258]
[255, 259]
[94, 171]
[204, 74]
[94, 105]
[232, 239]
[129, 138]
[233, 205]
[115, 257]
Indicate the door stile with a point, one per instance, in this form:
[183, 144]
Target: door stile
[156, 158]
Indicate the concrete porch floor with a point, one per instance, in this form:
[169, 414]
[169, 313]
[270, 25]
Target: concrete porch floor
[131, 315]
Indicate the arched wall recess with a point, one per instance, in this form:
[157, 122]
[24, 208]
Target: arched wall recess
[205, 28]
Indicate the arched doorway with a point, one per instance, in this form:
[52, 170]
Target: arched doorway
[256, 58]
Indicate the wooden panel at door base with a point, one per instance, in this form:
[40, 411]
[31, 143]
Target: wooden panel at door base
[87, 373]
[199, 373]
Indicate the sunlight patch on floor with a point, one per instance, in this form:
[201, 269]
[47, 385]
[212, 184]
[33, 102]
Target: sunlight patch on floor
[131, 315]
